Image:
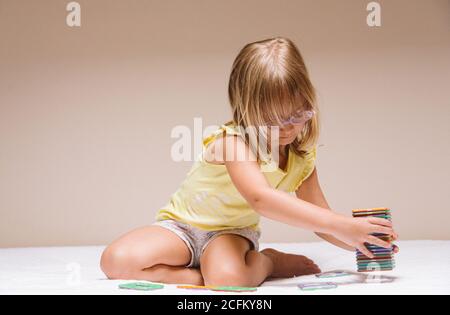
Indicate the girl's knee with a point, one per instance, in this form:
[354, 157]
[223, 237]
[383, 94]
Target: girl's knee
[118, 262]
[228, 275]
[109, 262]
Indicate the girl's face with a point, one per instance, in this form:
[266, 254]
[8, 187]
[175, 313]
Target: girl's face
[291, 128]
[289, 133]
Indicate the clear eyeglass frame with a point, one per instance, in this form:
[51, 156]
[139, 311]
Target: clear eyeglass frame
[298, 119]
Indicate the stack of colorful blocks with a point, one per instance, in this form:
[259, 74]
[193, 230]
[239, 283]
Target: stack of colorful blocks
[383, 257]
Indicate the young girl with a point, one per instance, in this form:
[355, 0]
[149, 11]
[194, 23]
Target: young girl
[208, 233]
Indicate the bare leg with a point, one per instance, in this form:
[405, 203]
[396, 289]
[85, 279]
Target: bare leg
[228, 261]
[150, 253]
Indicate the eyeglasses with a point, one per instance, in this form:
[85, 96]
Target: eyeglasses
[298, 119]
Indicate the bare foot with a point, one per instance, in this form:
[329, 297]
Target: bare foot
[290, 265]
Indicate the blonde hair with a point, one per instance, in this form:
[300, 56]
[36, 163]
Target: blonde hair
[268, 82]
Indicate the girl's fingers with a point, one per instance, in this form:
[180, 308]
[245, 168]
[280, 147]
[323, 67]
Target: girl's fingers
[378, 242]
[383, 230]
[363, 249]
[396, 249]
[380, 221]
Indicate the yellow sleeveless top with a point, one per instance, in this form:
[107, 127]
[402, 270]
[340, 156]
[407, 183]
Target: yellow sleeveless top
[207, 198]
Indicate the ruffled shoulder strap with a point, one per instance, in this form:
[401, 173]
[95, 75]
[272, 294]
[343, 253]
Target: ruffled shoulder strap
[228, 128]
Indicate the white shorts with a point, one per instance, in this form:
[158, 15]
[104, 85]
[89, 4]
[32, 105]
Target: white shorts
[197, 240]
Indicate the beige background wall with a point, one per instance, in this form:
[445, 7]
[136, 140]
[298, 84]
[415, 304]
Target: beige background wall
[86, 114]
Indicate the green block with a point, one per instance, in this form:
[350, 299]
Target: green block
[141, 286]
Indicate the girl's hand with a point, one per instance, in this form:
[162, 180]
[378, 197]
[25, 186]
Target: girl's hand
[356, 232]
[394, 238]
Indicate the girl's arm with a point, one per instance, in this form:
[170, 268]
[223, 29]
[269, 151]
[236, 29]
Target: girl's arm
[278, 205]
[311, 191]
